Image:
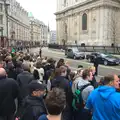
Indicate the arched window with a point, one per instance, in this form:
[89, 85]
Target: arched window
[84, 21]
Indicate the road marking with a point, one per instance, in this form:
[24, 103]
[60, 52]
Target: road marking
[107, 67]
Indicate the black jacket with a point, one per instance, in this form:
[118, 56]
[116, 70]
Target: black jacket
[33, 108]
[8, 93]
[23, 80]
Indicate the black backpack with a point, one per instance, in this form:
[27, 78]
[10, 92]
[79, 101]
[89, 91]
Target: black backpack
[78, 102]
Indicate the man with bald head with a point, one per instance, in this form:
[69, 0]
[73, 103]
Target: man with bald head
[9, 91]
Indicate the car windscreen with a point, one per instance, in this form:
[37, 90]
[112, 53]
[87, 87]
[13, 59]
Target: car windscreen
[75, 49]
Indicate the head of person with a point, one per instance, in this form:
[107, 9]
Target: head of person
[112, 80]
[55, 101]
[80, 71]
[26, 67]
[87, 75]
[3, 73]
[63, 71]
[38, 65]
[61, 62]
[37, 89]
[92, 69]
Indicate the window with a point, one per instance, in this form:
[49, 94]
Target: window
[1, 19]
[1, 7]
[84, 21]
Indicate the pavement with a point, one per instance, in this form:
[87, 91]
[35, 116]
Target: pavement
[103, 70]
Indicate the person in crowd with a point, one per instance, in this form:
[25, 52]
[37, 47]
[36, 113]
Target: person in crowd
[60, 63]
[77, 78]
[93, 81]
[84, 81]
[9, 91]
[60, 81]
[86, 77]
[55, 104]
[18, 68]
[23, 79]
[40, 71]
[40, 52]
[27, 60]
[33, 105]
[96, 64]
[104, 102]
[11, 70]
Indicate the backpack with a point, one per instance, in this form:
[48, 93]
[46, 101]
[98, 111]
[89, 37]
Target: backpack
[78, 102]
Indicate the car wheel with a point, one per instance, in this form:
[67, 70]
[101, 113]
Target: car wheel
[105, 63]
[74, 57]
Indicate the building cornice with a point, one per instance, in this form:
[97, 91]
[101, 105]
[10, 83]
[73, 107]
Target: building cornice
[18, 22]
[75, 6]
[85, 7]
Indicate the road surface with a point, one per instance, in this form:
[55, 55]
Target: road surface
[103, 70]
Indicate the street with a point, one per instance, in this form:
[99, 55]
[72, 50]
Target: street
[103, 70]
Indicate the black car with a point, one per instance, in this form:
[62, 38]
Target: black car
[105, 59]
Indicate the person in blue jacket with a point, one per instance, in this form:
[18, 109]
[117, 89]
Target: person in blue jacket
[104, 102]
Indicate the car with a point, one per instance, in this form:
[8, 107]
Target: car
[74, 53]
[105, 59]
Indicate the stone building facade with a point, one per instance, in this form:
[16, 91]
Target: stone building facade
[89, 22]
[38, 31]
[18, 24]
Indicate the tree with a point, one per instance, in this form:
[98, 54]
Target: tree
[113, 26]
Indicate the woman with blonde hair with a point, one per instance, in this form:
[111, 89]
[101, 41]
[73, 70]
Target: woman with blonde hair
[93, 82]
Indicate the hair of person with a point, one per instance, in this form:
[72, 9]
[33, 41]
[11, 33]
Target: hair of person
[63, 69]
[80, 66]
[91, 68]
[55, 101]
[60, 63]
[108, 79]
[36, 74]
[26, 67]
[38, 65]
[85, 73]
[57, 72]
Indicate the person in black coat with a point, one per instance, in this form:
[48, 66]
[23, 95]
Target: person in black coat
[96, 64]
[9, 91]
[33, 105]
[23, 79]
[60, 81]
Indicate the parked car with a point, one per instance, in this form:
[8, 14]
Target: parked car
[74, 53]
[105, 59]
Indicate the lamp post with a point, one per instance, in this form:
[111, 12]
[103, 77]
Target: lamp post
[6, 13]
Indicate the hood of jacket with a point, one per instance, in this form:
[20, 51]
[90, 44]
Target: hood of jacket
[33, 101]
[106, 91]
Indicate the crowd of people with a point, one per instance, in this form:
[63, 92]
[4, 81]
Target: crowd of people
[34, 87]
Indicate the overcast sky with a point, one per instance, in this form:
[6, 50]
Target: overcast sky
[41, 9]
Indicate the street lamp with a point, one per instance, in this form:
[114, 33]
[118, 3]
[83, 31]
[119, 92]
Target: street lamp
[6, 13]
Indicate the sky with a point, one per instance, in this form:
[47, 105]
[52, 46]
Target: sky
[41, 9]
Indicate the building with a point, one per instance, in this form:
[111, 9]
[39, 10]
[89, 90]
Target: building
[89, 22]
[18, 24]
[44, 33]
[3, 25]
[35, 31]
[38, 31]
[14, 24]
[52, 37]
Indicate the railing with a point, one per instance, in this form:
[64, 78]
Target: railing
[104, 49]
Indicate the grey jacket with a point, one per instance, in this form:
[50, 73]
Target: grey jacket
[87, 90]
